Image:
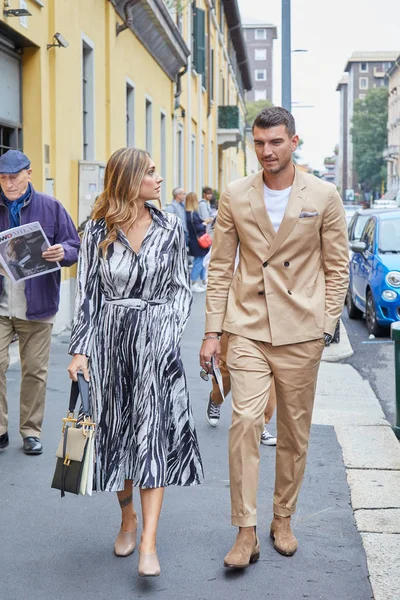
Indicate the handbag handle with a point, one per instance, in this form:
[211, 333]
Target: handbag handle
[80, 388]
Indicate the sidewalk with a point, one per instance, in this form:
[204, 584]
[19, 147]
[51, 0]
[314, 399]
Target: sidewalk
[53, 548]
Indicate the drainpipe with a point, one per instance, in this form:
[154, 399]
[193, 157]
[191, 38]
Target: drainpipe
[179, 86]
[128, 16]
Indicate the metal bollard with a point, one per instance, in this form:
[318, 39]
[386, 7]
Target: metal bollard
[395, 335]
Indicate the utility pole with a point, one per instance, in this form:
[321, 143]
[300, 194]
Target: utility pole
[286, 57]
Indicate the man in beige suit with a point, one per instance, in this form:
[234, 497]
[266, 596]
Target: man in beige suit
[279, 309]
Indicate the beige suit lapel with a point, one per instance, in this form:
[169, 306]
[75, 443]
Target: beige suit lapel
[292, 212]
[256, 198]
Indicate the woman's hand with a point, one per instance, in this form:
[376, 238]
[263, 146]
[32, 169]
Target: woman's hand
[78, 363]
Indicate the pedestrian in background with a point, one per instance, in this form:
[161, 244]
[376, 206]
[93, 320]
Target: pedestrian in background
[177, 207]
[205, 211]
[196, 228]
[215, 400]
[132, 304]
[280, 309]
[28, 308]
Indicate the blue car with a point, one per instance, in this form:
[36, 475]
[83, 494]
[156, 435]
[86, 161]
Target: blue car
[374, 288]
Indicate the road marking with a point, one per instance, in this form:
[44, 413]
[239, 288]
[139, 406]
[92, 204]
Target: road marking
[377, 342]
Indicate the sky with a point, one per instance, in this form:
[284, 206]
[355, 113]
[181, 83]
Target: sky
[330, 32]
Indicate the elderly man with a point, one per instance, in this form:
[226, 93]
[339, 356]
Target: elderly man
[29, 308]
[177, 207]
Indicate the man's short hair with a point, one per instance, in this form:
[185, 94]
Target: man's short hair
[176, 191]
[273, 116]
[207, 190]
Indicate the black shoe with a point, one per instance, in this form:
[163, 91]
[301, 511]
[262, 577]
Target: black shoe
[213, 413]
[32, 445]
[4, 441]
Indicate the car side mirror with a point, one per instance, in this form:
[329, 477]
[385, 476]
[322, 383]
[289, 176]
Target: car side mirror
[358, 247]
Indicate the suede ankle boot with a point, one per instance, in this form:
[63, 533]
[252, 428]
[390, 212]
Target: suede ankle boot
[245, 550]
[281, 533]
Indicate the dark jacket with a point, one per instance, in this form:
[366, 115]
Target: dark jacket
[43, 293]
[195, 229]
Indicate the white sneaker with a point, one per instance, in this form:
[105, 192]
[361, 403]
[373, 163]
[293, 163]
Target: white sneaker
[267, 438]
[197, 288]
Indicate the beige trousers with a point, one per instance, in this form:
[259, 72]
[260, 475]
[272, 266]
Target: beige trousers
[294, 368]
[34, 350]
[216, 396]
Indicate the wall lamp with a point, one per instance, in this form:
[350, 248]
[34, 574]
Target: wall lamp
[16, 12]
[60, 42]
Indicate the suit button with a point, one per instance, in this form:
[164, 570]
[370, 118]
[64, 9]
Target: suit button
[286, 264]
[289, 292]
[261, 293]
[265, 264]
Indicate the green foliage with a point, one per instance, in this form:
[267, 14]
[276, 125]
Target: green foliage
[369, 134]
[253, 108]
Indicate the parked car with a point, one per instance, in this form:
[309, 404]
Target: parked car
[374, 288]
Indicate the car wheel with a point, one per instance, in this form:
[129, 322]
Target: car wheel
[370, 317]
[352, 310]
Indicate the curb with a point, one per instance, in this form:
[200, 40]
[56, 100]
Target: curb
[340, 351]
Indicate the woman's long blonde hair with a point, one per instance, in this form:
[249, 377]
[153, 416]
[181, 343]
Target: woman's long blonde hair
[118, 204]
[191, 202]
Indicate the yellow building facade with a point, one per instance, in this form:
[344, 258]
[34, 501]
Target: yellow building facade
[82, 78]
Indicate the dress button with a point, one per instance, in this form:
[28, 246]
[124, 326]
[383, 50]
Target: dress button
[261, 293]
[289, 292]
[286, 264]
[265, 264]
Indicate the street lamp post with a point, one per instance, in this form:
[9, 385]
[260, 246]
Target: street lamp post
[286, 57]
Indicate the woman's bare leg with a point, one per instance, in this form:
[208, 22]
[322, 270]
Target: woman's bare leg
[125, 498]
[152, 500]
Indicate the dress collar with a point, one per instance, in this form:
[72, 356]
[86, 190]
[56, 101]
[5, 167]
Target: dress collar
[158, 216]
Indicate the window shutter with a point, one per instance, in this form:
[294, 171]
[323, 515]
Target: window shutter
[199, 42]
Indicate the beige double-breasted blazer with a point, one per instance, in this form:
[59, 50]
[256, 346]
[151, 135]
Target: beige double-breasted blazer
[289, 285]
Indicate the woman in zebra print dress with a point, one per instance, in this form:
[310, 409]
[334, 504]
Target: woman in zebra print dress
[132, 303]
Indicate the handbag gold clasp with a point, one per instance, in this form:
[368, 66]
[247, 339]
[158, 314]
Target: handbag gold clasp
[67, 461]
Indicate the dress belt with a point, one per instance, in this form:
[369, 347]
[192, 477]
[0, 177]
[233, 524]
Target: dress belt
[137, 303]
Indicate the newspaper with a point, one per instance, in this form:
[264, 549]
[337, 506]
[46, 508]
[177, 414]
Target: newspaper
[21, 252]
[218, 377]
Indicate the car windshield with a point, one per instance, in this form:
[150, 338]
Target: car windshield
[358, 229]
[389, 235]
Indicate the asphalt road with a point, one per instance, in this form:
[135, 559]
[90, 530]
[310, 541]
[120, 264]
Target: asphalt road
[374, 360]
[62, 549]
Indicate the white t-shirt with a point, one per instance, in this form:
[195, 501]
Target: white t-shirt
[276, 203]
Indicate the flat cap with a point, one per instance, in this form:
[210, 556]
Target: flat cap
[13, 161]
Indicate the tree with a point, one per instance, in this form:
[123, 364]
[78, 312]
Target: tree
[253, 108]
[369, 134]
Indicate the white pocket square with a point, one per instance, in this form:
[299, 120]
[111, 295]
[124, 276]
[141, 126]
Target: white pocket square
[305, 214]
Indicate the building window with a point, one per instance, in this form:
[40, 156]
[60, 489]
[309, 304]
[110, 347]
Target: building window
[193, 164]
[363, 67]
[363, 84]
[88, 101]
[163, 157]
[149, 125]
[260, 95]
[179, 144]
[130, 115]
[260, 54]
[212, 74]
[260, 75]
[10, 138]
[261, 34]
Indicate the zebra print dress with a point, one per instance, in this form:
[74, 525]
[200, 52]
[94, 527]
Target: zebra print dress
[130, 313]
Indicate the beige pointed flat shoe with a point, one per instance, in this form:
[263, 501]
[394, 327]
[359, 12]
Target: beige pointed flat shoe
[125, 543]
[148, 564]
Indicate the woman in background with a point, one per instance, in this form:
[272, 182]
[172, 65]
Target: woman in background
[196, 228]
